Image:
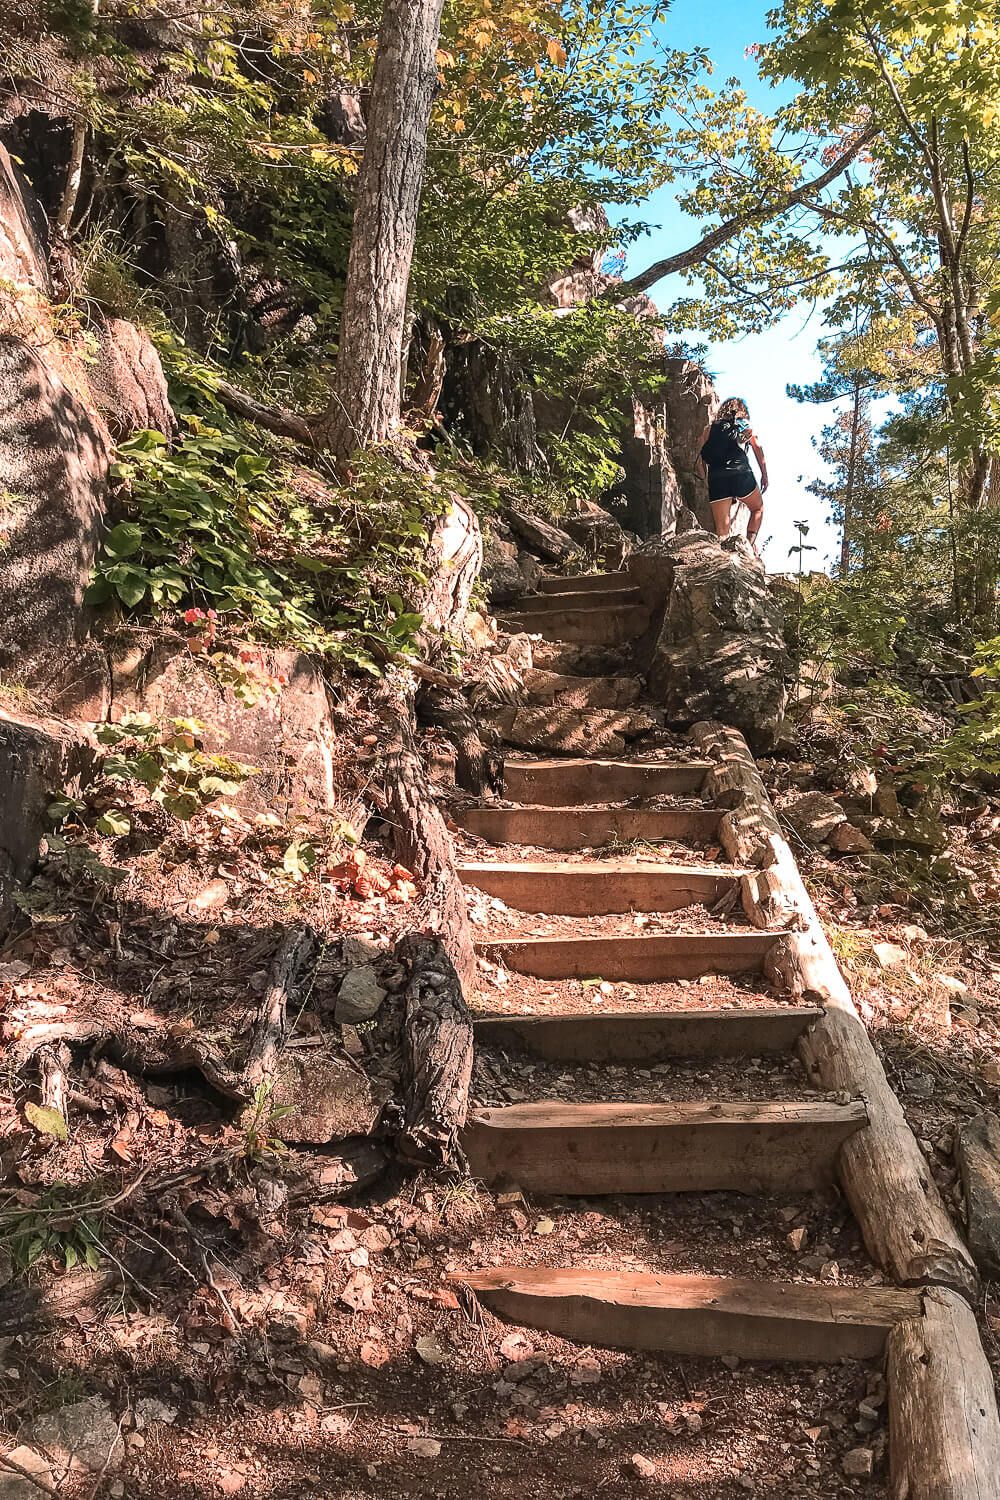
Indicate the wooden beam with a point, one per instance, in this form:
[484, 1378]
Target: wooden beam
[893, 1196]
[566, 783]
[660, 1148]
[674, 955]
[592, 583]
[944, 1433]
[588, 828]
[697, 1315]
[635, 1036]
[584, 890]
[614, 625]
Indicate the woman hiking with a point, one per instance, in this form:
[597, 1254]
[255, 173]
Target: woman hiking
[727, 468]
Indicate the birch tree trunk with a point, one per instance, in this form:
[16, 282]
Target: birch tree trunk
[365, 403]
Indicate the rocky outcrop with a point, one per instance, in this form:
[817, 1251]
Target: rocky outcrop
[127, 379]
[37, 756]
[719, 652]
[978, 1150]
[54, 457]
[603, 543]
[689, 406]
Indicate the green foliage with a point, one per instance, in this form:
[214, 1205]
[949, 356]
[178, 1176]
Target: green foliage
[52, 1229]
[260, 1142]
[169, 762]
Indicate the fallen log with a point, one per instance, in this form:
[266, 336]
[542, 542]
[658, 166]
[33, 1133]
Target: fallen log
[437, 1056]
[888, 1184]
[291, 968]
[944, 1434]
[150, 1056]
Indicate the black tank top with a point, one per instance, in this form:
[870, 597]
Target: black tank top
[722, 450]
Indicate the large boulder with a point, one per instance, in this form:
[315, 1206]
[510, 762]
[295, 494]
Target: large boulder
[720, 652]
[38, 757]
[503, 578]
[604, 544]
[54, 456]
[127, 379]
[23, 231]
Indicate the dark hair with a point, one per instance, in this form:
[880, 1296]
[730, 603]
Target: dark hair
[733, 412]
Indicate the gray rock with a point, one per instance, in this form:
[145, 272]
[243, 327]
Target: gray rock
[128, 382]
[85, 1433]
[548, 542]
[326, 1096]
[977, 1148]
[23, 230]
[359, 997]
[503, 578]
[602, 541]
[846, 839]
[54, 456]
[720, 652]
[36, 757]
[13, 1486]
[814, 817]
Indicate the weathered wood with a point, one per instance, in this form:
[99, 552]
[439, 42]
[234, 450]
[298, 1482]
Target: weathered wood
[588, 828]
[53, 1068]
[769, 902]
[152, 1055]
[680, 955]
[734, 783]
[697, 1315]
[660, 1148]
[565, 783]
[421, 840]
[610, 598]
[643, 1037]
[604, 886]
[437, 1055]
[288, 983]
[551, 544]
[568, 583]
[944, 1432]
[478, 756]
[614, 626]
[888, 1184]
[977, 1151]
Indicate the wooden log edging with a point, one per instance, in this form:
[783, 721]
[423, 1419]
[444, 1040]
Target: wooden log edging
[944, 1424]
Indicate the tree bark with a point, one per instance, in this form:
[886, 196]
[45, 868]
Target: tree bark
[365, 404]
[437, 1044]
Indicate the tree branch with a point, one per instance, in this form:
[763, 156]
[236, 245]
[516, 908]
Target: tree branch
[730, 228]
[276, 419]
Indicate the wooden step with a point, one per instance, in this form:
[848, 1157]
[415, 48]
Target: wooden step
[587, 627]
[680, 955]
[606, 598]
[569, 783]
[584, 583]
[604, 731]
[566, 691]
[588, 828]
[600, 887]
[697, 1315]
[590, 1149]
[649, 1037]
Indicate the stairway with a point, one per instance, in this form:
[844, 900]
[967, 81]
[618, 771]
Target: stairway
[576, 884]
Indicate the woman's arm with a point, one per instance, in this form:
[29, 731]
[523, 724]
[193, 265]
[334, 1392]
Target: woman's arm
[758, 454]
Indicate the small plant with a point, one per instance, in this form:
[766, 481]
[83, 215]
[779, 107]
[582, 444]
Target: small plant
[170, 763]
[260, 1142]
[54, 1230]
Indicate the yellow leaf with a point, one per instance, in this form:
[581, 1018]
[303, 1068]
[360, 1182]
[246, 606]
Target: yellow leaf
[445, 59]
[556, 52]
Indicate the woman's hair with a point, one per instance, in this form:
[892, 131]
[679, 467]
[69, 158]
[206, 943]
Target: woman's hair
[733, 412]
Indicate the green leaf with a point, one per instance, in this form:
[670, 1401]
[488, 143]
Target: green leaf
[46, 1121]
[123, 540]
[300, 859]
[251, 466]
[132, 590]
[114, 823]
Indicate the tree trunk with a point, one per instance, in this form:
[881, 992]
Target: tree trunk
[365, 404]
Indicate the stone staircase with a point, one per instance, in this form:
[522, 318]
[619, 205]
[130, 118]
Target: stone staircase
[605, 910]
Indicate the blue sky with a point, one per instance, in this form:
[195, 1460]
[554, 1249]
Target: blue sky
[758, 366]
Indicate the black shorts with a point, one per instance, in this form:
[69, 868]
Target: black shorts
[731, 483]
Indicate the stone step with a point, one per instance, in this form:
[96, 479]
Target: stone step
[567, 783]
[613, 626]
[697, 1315]
[579, 661]
[639, 960]
[608, 598]
[589, 583]
[593, 889]
[604, 731]
[587, 1149]
[589, 828]
[649, 1037]
[566, 691]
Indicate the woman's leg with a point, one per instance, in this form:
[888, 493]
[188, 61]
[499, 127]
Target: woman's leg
[755, 504]
[722, 511]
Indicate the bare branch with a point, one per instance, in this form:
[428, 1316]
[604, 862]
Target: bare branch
[730, 228]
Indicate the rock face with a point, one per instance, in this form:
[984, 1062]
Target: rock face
[53, 484]
[36, 756]
[326, 1097]
[127, 379]
[290, 738]
[23, 256]
[814, 817]
[978, 1151]
[720, 650]
[604, 544]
